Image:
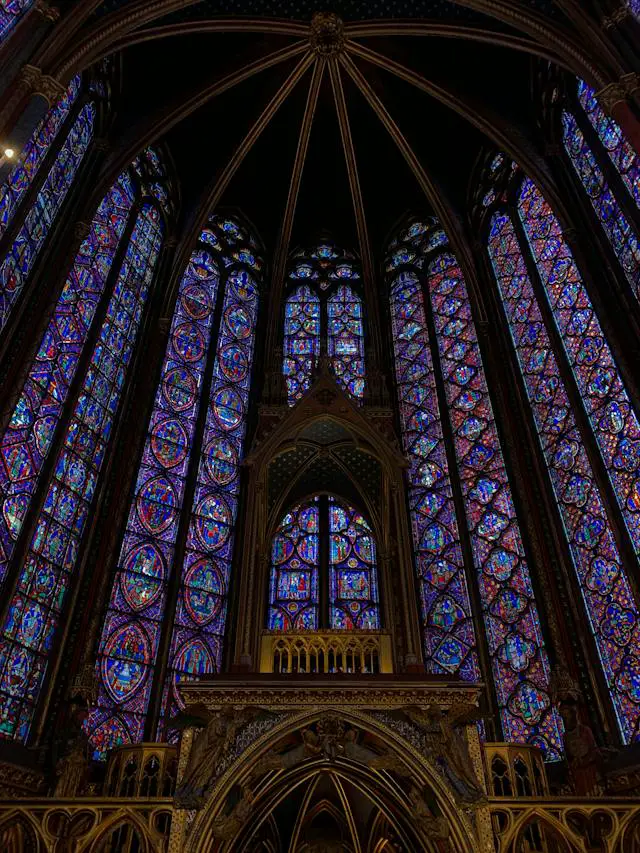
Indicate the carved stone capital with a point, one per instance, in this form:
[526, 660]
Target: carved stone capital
[619, 16]
[610, 96]
[631, 82]
[46, 11]
[29, 76]
[50, 89]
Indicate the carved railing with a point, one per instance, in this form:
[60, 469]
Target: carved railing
[563, 824]
[85, 825]
[515, 770]
[142, 770]
[307, 652]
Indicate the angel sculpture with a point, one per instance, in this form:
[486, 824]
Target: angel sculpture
[209, 747]
[447, 744]
[226, 827]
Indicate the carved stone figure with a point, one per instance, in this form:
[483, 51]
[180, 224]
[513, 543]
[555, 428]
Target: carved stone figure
[207, 751]
[436, 828]
[226, 827]
[447, 743]
[72, 753]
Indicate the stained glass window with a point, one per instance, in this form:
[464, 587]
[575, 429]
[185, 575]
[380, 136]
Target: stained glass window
[613, 419]
[32, 620]
[448, 634]
[295, 559]
[346, 339]
[136, 615]
[301, 341]
[26, 168]
[10, 13]
[516, 646]
[520, 663]
[620, 232]
[32, 426]
[341, 562]
[323, 313]
[196, 644]
[18, 263]
[622, 154]
[353, 580]
[607, 596]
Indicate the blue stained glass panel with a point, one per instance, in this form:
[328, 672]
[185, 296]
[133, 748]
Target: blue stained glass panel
[622, 236]
[196, 643]
[34, 612]
[32, 426]
[607, 595]
[345, 340]
[10, 13]
[613, 420]
[131, 630]
[295, 551]
[301, 341]
[449, 643]
[516, 646]
[18, 263]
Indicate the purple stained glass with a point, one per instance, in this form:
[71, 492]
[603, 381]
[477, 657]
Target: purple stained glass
[518, 656]
[608, 598]
[448, 633]
[30, 432]
[613, 420]
[353, 574]
[295, 556]
[133, 622]
[196, 642]
[301, 341]
[345, 340]
[619, 231]
[622, 154]
[18, 263]
[26, 168]
[27, 633]
[10, 13]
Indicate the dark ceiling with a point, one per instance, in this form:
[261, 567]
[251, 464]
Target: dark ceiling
[161, 74]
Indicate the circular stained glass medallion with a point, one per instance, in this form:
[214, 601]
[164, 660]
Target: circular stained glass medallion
[238, 321]
[234, 363]
[213, 522]
[156, 505]
[203, 591]
[124, 661]
[195, 301]
[221, 460]
[179, 388]
[169, 442]
[228, 408]
[188, 342]
[141, 580]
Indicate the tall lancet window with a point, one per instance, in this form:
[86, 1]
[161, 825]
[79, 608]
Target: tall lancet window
[10, 13]
[595, 144]
[323, 314]
[103, 298]
[566, 365]
[449, 433]
[35, 190]
[174, 565]
[323, 569]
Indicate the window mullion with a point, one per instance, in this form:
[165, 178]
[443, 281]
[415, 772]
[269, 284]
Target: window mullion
[324, 617]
